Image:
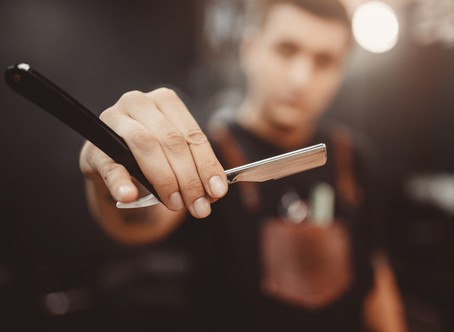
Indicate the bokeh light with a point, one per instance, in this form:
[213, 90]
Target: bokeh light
[375, 27]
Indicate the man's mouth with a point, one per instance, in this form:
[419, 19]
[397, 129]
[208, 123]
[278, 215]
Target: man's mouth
[294, 104]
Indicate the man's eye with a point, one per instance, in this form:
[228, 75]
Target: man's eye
[324, 61]
[286, 50]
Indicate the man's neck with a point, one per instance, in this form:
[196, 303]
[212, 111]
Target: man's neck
[283, 137]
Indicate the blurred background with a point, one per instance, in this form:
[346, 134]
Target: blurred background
[58, 271]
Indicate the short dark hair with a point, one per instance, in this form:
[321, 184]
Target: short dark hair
[329, 9]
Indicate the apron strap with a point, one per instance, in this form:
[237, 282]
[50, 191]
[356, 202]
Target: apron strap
[233, 156]
[349, 192]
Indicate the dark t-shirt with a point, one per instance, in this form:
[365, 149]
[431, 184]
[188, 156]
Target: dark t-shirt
[226, 258]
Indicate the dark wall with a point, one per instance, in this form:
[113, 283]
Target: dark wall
[403, 101]
[95, 50]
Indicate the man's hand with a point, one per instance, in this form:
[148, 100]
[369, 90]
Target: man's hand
[170, 148]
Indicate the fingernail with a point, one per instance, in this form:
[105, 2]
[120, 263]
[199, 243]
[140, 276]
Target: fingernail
[218, 187]
[176, 202]
[202, 207]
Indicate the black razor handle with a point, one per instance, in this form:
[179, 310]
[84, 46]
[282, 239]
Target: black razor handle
[41, 91]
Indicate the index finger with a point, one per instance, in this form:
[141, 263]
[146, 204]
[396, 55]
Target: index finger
[209, 169]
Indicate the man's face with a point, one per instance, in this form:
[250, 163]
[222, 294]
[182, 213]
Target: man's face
[294, 65]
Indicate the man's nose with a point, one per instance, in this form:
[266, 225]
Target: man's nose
[301, 72]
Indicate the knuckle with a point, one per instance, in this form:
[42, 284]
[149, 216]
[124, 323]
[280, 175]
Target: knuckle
[87, 148]
[140, 139]
[195, 136]
[165, 94]
[86, 158]
[193, 187]
[109, 172]
[208, 165]
[166, 182]
[90, 155]
[132, 97]
[174, 142]
[105, 115]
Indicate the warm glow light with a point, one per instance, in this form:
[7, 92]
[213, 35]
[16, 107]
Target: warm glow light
[375, 27]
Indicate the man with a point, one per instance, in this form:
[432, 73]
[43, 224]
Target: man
[252, 271]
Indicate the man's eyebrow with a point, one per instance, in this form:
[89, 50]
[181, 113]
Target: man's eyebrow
[326, 54]
[288, 43]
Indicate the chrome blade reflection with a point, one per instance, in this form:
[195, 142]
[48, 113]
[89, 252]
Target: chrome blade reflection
[149, 200]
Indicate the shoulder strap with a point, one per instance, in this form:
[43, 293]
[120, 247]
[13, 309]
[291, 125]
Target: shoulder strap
[350, 193]
[233, 156]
